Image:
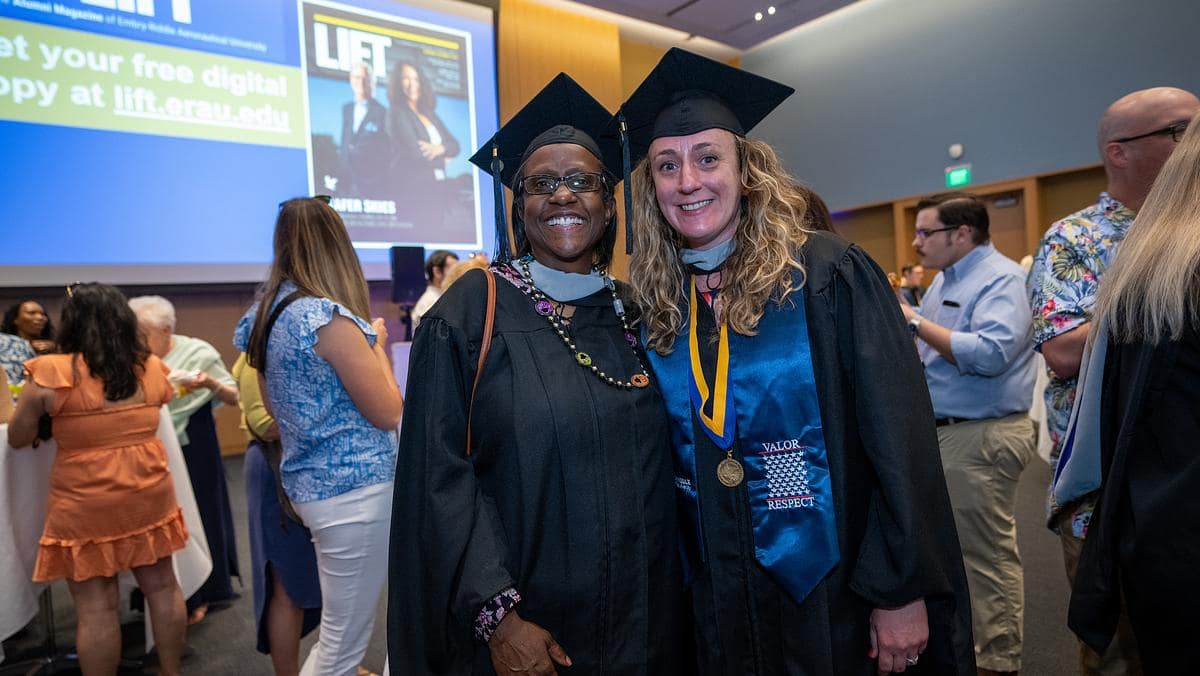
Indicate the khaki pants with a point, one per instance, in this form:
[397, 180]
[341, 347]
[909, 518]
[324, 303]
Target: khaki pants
[983, 460]
[1121, 658]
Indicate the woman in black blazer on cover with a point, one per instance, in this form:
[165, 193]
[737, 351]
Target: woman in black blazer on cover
[421, 143]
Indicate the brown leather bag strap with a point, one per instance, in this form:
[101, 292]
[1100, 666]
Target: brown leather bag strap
[488, 321]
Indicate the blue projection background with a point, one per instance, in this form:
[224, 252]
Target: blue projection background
[118, 172]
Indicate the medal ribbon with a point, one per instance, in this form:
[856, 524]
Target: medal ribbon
[720, 426]
[783, 449]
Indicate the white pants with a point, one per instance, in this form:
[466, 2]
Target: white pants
[350, 534]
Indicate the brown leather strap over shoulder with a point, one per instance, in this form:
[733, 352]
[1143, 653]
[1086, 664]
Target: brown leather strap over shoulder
[485, 345]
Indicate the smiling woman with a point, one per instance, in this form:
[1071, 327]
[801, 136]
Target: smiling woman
[817, 522]
[541, 495]
[564, 206]
[697, 183]
[28, 320]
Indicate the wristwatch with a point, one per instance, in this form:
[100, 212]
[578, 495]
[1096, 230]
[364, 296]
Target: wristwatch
[915, 323]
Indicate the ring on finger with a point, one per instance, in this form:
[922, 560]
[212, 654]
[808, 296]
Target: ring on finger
[912, 661]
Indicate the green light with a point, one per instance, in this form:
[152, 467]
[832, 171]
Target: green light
[958, 176]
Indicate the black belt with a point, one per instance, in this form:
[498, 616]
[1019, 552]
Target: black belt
[942, 422]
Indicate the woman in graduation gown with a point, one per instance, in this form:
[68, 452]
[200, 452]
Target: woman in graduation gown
[542, 541]
[1143, 541]
[819, 531]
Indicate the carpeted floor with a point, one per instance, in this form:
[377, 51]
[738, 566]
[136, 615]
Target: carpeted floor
[224, 642]
[221, 644]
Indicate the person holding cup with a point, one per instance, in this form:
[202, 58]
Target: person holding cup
[329, 385]
[201, 382]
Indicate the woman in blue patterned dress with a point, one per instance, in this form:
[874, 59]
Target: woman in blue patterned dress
[330, 387]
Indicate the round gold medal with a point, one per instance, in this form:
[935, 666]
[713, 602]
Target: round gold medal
[730, 473]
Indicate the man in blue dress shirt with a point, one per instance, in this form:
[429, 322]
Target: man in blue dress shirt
[974, 333]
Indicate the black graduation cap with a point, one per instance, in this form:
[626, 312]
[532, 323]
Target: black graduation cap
[563, 112]
[687, 93]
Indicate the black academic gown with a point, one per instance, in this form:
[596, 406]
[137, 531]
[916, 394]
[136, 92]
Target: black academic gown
[567, 496]
[1143, 542]
[895, 528]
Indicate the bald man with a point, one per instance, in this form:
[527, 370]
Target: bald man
[1136, 135]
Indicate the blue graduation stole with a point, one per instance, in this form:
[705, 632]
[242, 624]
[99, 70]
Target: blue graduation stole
[773, 413]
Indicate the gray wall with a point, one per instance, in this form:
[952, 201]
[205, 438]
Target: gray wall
[885, 86]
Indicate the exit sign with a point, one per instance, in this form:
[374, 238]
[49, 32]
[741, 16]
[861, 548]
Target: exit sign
[958, 176]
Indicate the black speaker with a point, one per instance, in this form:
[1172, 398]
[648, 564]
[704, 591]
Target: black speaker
[408, 274]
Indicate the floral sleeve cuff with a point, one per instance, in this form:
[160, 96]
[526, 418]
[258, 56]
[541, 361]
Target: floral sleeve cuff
[493, 612]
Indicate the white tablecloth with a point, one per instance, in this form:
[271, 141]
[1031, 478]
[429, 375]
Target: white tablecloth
[400, 352]
[24, 484]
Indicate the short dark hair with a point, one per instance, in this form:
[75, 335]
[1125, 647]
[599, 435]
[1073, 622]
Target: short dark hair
[9, 323]
[437, 260]
[907, 268]
[960, 208]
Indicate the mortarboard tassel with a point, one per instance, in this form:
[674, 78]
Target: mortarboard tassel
[628, 184]
[503, 252]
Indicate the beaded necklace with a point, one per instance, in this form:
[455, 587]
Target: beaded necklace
[545, 307]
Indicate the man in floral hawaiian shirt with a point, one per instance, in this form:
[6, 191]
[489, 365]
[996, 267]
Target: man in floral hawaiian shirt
[1137, 133]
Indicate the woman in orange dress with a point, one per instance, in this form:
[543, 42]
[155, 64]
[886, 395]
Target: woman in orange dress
[111, 504]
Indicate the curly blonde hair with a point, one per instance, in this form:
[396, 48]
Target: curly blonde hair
[772, 227]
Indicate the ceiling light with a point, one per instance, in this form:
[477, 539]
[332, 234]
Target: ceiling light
[758, 16]
[771, 9]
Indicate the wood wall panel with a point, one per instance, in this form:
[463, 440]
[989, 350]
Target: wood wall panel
[1013, 220]
[1007, 226]
[886, 230]
[637, 60]
[536, 42]
[212, 317]
[871, 229]
[1068, 192]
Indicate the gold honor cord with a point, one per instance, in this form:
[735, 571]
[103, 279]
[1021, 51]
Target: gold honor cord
[729, 470]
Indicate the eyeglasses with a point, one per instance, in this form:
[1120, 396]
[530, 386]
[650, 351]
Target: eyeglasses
[541, 184]
[1175, 130]
[922, 233]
